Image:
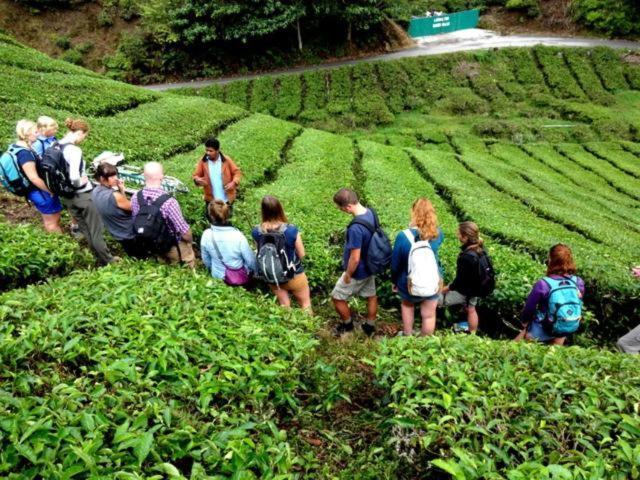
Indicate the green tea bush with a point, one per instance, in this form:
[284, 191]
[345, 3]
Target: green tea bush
[28, 254]
[368, 99]
[262, 95]
[30, 59]
[463, 101]
[215, 91]
[237, 93]
[340, 95]
[314, 94]
[556, 72]
[157, 130]
[524, 67]
[396, 86]
[475, 409]
[632, 74]
[75, 93]
[580, 65]
[615, 154]
[606, 63]
[288, 102]
[146, 371]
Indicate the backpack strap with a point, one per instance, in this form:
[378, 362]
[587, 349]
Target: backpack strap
[371, 227]
[162, 199]
[409, 234]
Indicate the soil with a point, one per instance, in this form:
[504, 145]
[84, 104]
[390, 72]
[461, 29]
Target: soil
[554, 20]
[17, 210]
[41, 29]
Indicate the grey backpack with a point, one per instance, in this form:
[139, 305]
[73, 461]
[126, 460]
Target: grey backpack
[274, 265]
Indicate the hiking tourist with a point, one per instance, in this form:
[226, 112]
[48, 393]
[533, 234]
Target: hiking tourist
[217, 174]
[47, 130]
[355, 280]
[474, 276]
[115, 208]
[161, 230]
[553, 309]
[415, 267]
[630, 343]
[280, 254]
[225, 250]
[34, 188]
[65, 160]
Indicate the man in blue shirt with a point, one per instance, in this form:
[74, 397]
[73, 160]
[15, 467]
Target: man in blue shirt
[355, 280]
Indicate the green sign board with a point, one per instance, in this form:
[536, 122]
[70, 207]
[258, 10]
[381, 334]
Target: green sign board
[449, 22]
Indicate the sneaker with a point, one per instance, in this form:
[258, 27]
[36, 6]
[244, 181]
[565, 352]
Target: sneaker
[461, 327]
[368, 329]
[75, 232]
[343, 328]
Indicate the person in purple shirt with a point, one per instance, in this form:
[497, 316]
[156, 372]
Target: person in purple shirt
[560, 264]
[172, 214]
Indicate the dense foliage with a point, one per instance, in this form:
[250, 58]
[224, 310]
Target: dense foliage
[613, 17]
[27, 254]
[536, 413]
[129, 381]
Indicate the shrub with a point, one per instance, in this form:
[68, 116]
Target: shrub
[28, 255]
[31, 59]
[556, 72]
[475, 408]
[531, 7]
[288, 101]
[606, 63]
[237, 93]
[368, 100]
[63, 42]
[462, 101]
[613, 17]
[151, 383]
[74, 56]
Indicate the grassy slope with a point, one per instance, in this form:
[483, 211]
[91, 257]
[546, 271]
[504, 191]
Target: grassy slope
[169, 387]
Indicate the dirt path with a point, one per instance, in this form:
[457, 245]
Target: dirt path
[464, 40]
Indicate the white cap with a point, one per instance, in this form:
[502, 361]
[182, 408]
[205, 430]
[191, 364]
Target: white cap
[108, 157]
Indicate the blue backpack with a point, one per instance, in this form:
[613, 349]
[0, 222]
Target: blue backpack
[378, 257]
[564, 307]
[12, 177]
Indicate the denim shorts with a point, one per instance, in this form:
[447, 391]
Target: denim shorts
[536, 332]
[44, 202]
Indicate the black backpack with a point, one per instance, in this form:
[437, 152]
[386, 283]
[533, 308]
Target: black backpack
[54, 171]
[153, 235]
[378, 257]
[486, 279]
[274, 266]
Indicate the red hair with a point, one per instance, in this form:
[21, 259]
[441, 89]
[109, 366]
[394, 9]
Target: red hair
[561, 261]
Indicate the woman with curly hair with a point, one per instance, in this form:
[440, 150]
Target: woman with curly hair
[423, 239]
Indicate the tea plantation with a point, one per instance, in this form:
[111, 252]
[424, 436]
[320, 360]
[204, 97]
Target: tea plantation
[137, 370]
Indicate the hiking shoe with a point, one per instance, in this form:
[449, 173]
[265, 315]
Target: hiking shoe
[343, 328]
[75, 232]
[461, 327]
[368, 329]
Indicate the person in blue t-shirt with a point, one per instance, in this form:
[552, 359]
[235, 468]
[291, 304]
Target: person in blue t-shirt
[275, 220]
[355, 280]
[423, 226]
[47, 129]
[39, 195]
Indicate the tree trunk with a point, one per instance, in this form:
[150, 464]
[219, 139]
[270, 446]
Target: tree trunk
[349, 42]
[299, 35]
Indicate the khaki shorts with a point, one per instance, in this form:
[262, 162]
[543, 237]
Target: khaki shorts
[186, 255]
[363, 288]
[453, 297]
[296, 285]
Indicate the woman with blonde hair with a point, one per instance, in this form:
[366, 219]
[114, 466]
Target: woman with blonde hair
[275, 223]
[225, 250]
[415, 267]
[80, 205]
[561, 275]
[39, 195]
[47, 129]
[470, 283]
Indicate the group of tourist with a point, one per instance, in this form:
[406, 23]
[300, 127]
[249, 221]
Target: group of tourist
[151, 223]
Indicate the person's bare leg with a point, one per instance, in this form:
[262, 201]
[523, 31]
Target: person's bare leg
[52, 222]
[557, 341]
[303, 297]
[428, 313]
[406, 310]
[282, 295]
[472, 318]
[372, 308]
[342, 308]
[521, 335]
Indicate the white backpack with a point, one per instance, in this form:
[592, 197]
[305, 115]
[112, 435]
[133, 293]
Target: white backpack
[423, 279]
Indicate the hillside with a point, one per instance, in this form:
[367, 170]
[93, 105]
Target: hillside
[142, 371]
